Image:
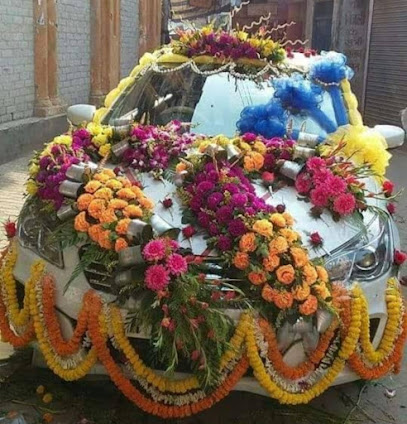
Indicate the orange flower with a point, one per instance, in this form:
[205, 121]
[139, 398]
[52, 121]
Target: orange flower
[257, 278]
[94, 232]
[93, 186]
[121, 227]
[309, 274]
[146, 202]
[288, 219]
[133, 211]
[300, 256]
[120, 244]
[126, 194]
[271, 263]
[253, 161]
[278, 245]
[117, 204]
[241, 260]
[125, 181]
[181, 166]
[80, 223]
[109, 173]
[310, 306]
[137, 191]
[104, 240]
[104, 193]
[278, 220]
[301, 292]
[84, 201]
[322, 273]
[321, 290]
[103, 178]
[268, 293]
[248, 242]
[263, 227]
[283, 299]
[286, 274]
[47, 417]
[108, 216]
[291, 235]
[114, 184]
[96, 208]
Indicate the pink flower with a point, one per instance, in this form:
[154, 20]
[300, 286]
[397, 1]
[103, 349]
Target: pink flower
[399, 257]
[320, 196]
[177, 264]
[336, 185]
[188, 231]
[315, 163]
[345, 204]
[156, 277]
[388, 187]
[303, 183]
[154, 250]
[391, 207]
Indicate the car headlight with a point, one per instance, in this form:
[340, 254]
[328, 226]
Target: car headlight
[366, 257]
[34, 233]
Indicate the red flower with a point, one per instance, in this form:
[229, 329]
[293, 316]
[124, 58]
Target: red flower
[188, 231]
[195, 355]
[10, 228]
[345, 204]
[391, 207]
[267, 177]
[388, 188]
[167, 203]
[399, 257]
[316, 239]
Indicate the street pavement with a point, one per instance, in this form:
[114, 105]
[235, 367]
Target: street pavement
[381, 402]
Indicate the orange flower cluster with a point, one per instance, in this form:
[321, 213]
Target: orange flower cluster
[107, 207]
[272, 257]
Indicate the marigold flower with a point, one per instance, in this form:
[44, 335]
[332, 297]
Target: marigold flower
[309, 274]
[96, 208]
[108, 216]
[283, 299]
[133, 211]
[80, 223]
[278, 220]
[322, 273]
[104, 240]
[93, 186]
[253, 161]
[117, 204]
[290, 235]
[310, 306]
[126, 194]
[137, 191]
[94, 232]
[321, 290]
[268, 293]
[288, 219]
[104, 193]
[122, 226]
[257, 278]
[278, 245]
[125, 181]
[47, 398]
[108, 172]
[114, 184]
[248, 242]
[105, 150]
[260, 147]
[263, 227]
[301, 292]
[102, 178]
[300, 256]
[146, 202]
[285, 274]
[84, 201]
[241, 260]
[271, 263]
[120, 244]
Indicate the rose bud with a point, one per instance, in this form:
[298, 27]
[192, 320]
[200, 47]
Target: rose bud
[399, 257]
[167, 203]
[316, 239]
[267, 178]
[10, 228]
[188, 231]
[280, 208]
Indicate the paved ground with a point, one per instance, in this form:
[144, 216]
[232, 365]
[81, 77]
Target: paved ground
[383, 402]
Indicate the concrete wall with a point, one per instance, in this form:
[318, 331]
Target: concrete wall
[129, 16]
[16, 60]
[74, 50]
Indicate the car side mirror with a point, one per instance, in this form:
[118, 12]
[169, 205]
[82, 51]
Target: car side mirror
[78, 114]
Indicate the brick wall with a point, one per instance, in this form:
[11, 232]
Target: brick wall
[74, 50]
[129, 16]
[16, 60]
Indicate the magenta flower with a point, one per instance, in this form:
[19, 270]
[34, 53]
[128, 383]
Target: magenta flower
[320, 196]
[214, 199]
[303, 183]
[177, 264]
[336, 185]
[345, 204]
[224, 243]
[315, 164]
[157, 277]
[154, 250]
[236, 227]
[224, 214]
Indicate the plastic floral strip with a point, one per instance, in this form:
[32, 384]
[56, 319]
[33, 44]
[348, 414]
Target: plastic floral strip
[355, 118]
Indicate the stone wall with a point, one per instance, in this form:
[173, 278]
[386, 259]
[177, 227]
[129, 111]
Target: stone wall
[16, 60]
[73, 19]
[129, 16]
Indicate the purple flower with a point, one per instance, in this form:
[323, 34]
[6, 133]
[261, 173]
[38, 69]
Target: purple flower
[204, 219]
[213, 229]
[236, 227]
[205, 186]
[269, 161]
[285, 154]
[196, 203]
[231, 188]
[214, 199]
[224, 243]
[44, 162]
[249, 137]
[239, 200]
[224, 214]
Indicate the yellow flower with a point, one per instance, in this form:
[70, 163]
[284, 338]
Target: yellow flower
[40, 390]
[99, 140]
[105, 150]
[263, 227]
[63, 139]
[278, 220]
[260, 147]
[94, 129]
[242, 35]
[34, 169]
[31, 187]
[47, 398]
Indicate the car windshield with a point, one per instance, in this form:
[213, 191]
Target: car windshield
[211, 103]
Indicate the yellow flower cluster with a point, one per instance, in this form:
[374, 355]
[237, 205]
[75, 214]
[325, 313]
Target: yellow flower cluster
[101, 134]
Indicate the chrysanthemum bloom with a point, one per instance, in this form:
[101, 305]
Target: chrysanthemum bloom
[155, 250]
[310, 306]
[345, 204]
[157, 277]
[177, 264]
